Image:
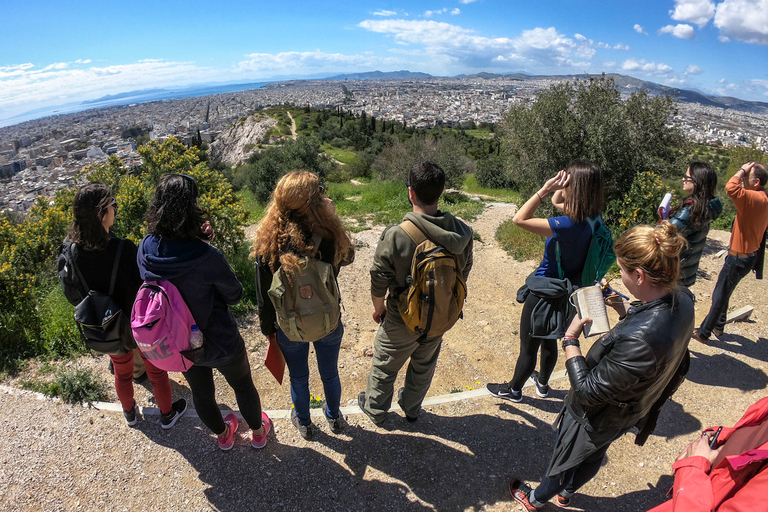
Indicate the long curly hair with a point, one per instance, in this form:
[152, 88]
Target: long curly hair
[173, 212]
[704, 181]
[298, 209]
[89, 207]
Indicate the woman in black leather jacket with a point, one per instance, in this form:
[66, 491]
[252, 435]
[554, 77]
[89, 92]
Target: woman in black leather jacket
[626, 371]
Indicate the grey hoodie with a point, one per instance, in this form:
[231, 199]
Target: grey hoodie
[392, 260]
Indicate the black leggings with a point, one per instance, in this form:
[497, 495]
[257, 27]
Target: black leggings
[529, 347]
[238, 375]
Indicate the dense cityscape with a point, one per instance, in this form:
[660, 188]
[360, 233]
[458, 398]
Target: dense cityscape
[42, 156]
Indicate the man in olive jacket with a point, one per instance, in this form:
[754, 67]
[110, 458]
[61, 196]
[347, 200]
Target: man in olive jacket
[395, 343]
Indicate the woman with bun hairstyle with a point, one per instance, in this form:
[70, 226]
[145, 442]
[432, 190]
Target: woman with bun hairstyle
[297, 217]
[693, 215]
[625, 374]
[178, 249]
[578, 193]
[94, 211]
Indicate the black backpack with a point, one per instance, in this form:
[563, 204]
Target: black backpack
[105, 328]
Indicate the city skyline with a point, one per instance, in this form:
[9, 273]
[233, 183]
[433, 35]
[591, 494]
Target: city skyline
[74, 53]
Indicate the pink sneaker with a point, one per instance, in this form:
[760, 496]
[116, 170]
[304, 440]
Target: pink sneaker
[260, 442]
[228, 441]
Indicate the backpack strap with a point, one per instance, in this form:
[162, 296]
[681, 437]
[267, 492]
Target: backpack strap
[71, 250]
[413, 231]
[115, 265]
[316, 241]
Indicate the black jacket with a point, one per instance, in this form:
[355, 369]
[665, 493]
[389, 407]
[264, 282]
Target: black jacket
[616, 385]
[550, 315]
[696, 238]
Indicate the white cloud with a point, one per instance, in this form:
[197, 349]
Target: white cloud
[693, 11]
[83, 61]
[456, 11]
[639, 29]
[309, 62]
[651, 68]
[723, 39]
[384, 13]
[593, 44]
[743, 20]
[693, 69]
[723, 81]
[466, 1]
[429, 14]
[680, 30]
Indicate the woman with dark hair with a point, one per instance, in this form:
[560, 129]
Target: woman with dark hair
[94, 211]
[297, 217]
[578, 192]
[693, 215]
[625, 376]
[177, 249]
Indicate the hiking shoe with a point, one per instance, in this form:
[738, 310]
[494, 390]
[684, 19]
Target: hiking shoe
[698, 337]
[141, 378]
[505, 392]
[718, 332]
[228, 441]
[260, 442]
[178, 408]
[131, 417]
[541, 389]
[336, 424]
[521, 492]
[361, 405]
[306, 431]
[563, 501]
[411, 419]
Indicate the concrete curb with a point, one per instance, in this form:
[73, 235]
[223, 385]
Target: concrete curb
[277, 413]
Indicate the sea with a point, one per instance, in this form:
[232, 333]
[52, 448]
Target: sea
[129, 98]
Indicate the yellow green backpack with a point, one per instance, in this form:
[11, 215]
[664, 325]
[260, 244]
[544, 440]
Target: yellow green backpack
[307, 303]
[433, 301]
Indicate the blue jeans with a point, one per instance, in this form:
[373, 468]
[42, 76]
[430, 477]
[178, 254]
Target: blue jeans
[734, 270]
[296, 355]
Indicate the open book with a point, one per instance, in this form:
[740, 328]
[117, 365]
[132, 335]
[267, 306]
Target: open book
[590, 304]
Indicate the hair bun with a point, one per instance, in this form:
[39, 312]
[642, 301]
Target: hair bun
[670, 242]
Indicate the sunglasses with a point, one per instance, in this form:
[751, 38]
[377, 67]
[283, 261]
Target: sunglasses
[687, 178]
[190, 178]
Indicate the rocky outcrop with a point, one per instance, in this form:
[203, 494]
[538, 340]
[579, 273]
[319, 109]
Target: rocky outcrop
[235, 145]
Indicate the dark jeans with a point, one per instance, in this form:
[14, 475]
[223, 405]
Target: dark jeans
[529, 348]
[296, 355]
[238, 375]
[734, 269]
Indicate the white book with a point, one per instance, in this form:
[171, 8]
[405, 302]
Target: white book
[664, 206]
[589, 303]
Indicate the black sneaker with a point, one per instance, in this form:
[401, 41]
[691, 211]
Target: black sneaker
[361, 405]
[131, 417]
[541, 389]
[336, 424]
[411, 419]
[141, 378]
[178, 408]
[306, 431]
[505, 392]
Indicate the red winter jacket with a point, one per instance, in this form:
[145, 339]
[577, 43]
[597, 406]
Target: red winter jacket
[739, 483]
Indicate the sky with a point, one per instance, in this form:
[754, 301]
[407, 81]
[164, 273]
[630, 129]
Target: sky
[55, 52]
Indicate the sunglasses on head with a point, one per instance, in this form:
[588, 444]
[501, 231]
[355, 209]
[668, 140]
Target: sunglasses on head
[190, 178]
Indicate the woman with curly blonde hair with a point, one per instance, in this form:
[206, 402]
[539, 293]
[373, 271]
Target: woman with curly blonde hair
[302, 222]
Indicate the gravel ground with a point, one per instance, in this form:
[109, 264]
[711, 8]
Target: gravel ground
[460, 455]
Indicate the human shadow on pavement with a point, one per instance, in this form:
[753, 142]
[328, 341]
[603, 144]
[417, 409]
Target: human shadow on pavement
[631, 502]
[724, 370]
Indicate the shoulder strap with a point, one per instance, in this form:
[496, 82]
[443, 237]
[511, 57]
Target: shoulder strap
[71, 250]
[413, 231]
[316, 241]
[115, 266]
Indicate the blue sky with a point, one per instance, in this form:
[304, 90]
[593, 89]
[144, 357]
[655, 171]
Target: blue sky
[56, 52]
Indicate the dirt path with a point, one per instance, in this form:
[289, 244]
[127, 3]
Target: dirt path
[458, 456]
[293, 126]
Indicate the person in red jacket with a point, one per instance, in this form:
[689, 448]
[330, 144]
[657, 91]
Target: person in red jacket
[732, 477]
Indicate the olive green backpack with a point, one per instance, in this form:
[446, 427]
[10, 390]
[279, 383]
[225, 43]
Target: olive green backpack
[433, 301]
[307, 303]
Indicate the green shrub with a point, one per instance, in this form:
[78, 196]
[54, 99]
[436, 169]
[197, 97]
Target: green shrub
[519, 243]
[76, 386]
[492, 173]
[638, 206]
[59, 334]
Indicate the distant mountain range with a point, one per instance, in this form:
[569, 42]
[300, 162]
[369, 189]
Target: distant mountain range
[625, 83]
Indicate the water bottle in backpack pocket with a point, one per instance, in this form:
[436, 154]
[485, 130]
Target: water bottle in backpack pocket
[162, 325]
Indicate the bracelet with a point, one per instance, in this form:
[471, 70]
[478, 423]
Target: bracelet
[539, 196]
[570, 341]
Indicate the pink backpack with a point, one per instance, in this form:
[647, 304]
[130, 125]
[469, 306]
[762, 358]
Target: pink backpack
[161, 324]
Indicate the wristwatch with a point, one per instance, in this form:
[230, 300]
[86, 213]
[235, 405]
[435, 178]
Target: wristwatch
[570, 341]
